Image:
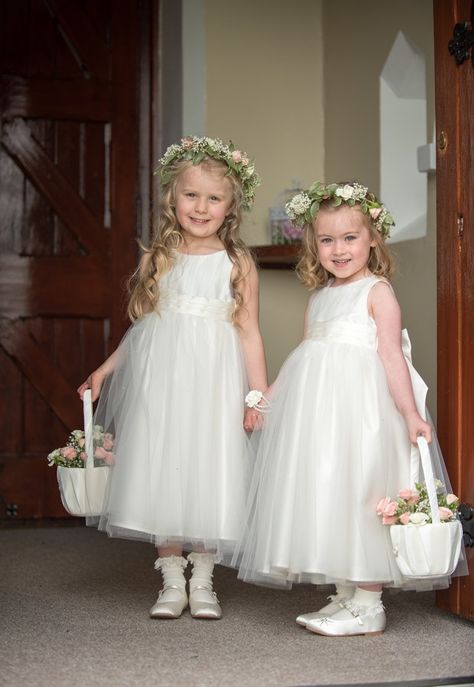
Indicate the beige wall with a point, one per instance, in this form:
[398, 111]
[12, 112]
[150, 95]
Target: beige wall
[357, 40]
[296, 84]
[264, 90]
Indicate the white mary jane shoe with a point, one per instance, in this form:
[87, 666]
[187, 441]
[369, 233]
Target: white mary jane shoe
[171, 602]
[329, 609]
[204, 604]
[351, 620]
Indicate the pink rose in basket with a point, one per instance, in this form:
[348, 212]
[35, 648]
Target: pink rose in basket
[405, 518]
[451, 498]
[386, 507]
[68, 452]
[108, 442]
[410, 496]
[445, 513]
[104, 455]
[389, 519]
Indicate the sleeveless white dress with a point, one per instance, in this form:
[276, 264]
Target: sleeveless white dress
[174, 404]
[332, 446]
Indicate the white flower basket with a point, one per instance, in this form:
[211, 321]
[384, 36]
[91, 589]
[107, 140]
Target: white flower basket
[429, 550]
[83, 489]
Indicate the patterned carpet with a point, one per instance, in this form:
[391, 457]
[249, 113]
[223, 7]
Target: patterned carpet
[74, 614]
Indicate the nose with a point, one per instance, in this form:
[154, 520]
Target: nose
[201, 205]
[339, 247]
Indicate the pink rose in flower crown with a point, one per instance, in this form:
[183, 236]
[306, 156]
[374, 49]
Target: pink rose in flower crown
[187, 142]
[445, 513]
[68, 452]
[237, 156]
[375, 212]
[245, 161]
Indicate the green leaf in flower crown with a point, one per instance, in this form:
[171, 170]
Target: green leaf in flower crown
[314, 209]
[338, 201]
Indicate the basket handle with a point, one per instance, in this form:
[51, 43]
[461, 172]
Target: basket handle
[88, 428]
[429, 478]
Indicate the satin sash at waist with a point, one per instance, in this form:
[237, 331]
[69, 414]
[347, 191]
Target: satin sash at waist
[355, 333]
[211, 308]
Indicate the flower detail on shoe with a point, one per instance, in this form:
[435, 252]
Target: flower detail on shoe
[352, 619]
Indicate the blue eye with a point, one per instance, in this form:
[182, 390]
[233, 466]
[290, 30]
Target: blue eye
[326, 240]
[351, 237]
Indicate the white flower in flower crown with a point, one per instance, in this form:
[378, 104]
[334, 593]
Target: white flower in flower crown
[345, 192]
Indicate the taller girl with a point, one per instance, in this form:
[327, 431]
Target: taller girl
[173, 391]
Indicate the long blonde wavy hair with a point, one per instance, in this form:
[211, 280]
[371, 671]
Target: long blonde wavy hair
[160, 255]
[315, 276]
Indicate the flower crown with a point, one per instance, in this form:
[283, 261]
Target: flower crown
[196, 149]
[303, 208]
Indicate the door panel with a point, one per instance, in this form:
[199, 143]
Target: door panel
[68, 130]
[455, 246]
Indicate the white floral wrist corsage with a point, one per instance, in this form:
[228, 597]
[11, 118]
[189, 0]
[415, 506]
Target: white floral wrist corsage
[257, 401]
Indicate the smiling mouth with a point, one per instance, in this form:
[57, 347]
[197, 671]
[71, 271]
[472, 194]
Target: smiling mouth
[342, 263]
[198, 220]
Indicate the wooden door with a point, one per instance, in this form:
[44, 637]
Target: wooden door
[455, 222]
[68, 194]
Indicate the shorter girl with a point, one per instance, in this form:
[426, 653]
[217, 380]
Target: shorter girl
[343, 419]
[173, 392]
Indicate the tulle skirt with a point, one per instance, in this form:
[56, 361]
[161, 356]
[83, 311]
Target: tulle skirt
[332, 446]
[175, 407]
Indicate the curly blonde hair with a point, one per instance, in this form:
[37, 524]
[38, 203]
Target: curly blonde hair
[309, 268]
[159, 257]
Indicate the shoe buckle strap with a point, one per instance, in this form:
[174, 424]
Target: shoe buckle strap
[204, 588]
[352, 608]
[169, 586]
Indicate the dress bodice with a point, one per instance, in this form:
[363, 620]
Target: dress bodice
[205, 276]
[340, 314]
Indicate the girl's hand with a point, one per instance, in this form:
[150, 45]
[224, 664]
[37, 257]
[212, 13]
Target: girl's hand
[252, 420]
[417, 427]
[94, 383]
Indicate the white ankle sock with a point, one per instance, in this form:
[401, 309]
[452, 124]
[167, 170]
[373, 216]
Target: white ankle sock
[363, 597]
[203, 567]
[345, 590]
[172, 568]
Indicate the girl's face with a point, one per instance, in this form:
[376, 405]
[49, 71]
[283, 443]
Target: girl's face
[343, 241]
[203, 197]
